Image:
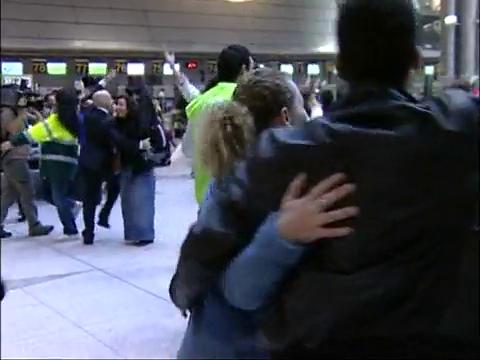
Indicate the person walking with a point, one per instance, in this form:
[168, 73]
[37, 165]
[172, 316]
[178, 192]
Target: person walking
[100, 138]
[112, 187]
[17, 181]
[137, 121]
[57, 136]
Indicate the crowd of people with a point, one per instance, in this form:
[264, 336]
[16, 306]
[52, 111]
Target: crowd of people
[87, 139]
[340, 230]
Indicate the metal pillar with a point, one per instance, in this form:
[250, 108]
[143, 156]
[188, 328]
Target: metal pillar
[447, 68]
[468, 11]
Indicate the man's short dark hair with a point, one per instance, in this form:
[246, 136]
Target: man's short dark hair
[231, 61]
[376, 40]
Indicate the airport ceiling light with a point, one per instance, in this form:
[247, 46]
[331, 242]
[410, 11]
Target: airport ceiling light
[327, 49]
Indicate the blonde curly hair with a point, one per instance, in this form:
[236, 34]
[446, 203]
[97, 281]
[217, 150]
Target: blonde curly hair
[226, 130]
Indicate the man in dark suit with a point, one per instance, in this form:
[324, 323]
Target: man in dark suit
[99, 137]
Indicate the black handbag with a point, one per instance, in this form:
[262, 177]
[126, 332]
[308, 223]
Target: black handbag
[160, 153]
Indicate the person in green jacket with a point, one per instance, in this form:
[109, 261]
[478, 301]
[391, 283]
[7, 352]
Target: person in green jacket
[57, 136]
[233, 62]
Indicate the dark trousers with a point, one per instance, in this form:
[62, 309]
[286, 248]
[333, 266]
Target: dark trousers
[113, 190]
[92, 193]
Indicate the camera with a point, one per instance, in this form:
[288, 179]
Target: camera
[35, 101]
[11, 97]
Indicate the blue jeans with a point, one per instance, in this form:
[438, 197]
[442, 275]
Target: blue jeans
[138, 205]
[57, 192]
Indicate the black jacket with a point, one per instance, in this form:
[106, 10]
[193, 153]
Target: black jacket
[141, 123]
[98, 138]
[416, 169]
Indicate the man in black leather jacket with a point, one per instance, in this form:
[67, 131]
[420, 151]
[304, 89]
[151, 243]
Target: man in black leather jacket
[385, 289]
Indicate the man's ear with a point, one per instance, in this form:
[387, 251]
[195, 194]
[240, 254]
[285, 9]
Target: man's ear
[243, 71]
[283, 119]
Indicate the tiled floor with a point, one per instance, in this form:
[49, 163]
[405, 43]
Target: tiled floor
[66, 300]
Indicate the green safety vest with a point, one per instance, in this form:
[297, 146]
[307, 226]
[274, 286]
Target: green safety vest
[221, 92]
[58, 147]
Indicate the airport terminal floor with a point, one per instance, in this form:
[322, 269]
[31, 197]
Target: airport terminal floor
[110, 300]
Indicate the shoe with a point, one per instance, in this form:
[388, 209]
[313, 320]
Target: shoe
[87, 239]
[40, 230]
[4, 234]
[141, 243]
[103, 222]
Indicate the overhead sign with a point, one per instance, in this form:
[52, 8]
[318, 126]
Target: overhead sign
[81, 66]
[120, 66]
[136, 68]
[56, 68]
[286, 69]
[430, 70]
[212, 66]
[313, 69]
[191, 65]
[12, 68]
[157, 67]
[39, 66]
[97, 68]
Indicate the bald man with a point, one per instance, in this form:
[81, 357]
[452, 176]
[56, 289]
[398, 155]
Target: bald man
[99, 138]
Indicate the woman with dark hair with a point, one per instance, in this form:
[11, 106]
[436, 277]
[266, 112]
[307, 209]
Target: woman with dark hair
[57, 136]
[137, 121]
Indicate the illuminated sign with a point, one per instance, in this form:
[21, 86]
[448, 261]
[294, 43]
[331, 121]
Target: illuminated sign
[430, 70]
[212, 66]
[167, 70]
[97, 68]
[157, 67]
[12, 68]
[81, 66]
[286, 68]
[39, 66]
[191, 65]
[56, 68]
[313, 69]
[136, 69]
[121, 66]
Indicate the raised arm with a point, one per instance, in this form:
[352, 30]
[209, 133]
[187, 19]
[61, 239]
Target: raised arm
[187, 89]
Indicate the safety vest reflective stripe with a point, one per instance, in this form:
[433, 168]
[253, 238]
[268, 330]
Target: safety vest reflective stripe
[48, 130]
[66, 142]
[51, 137]
[61, 158]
